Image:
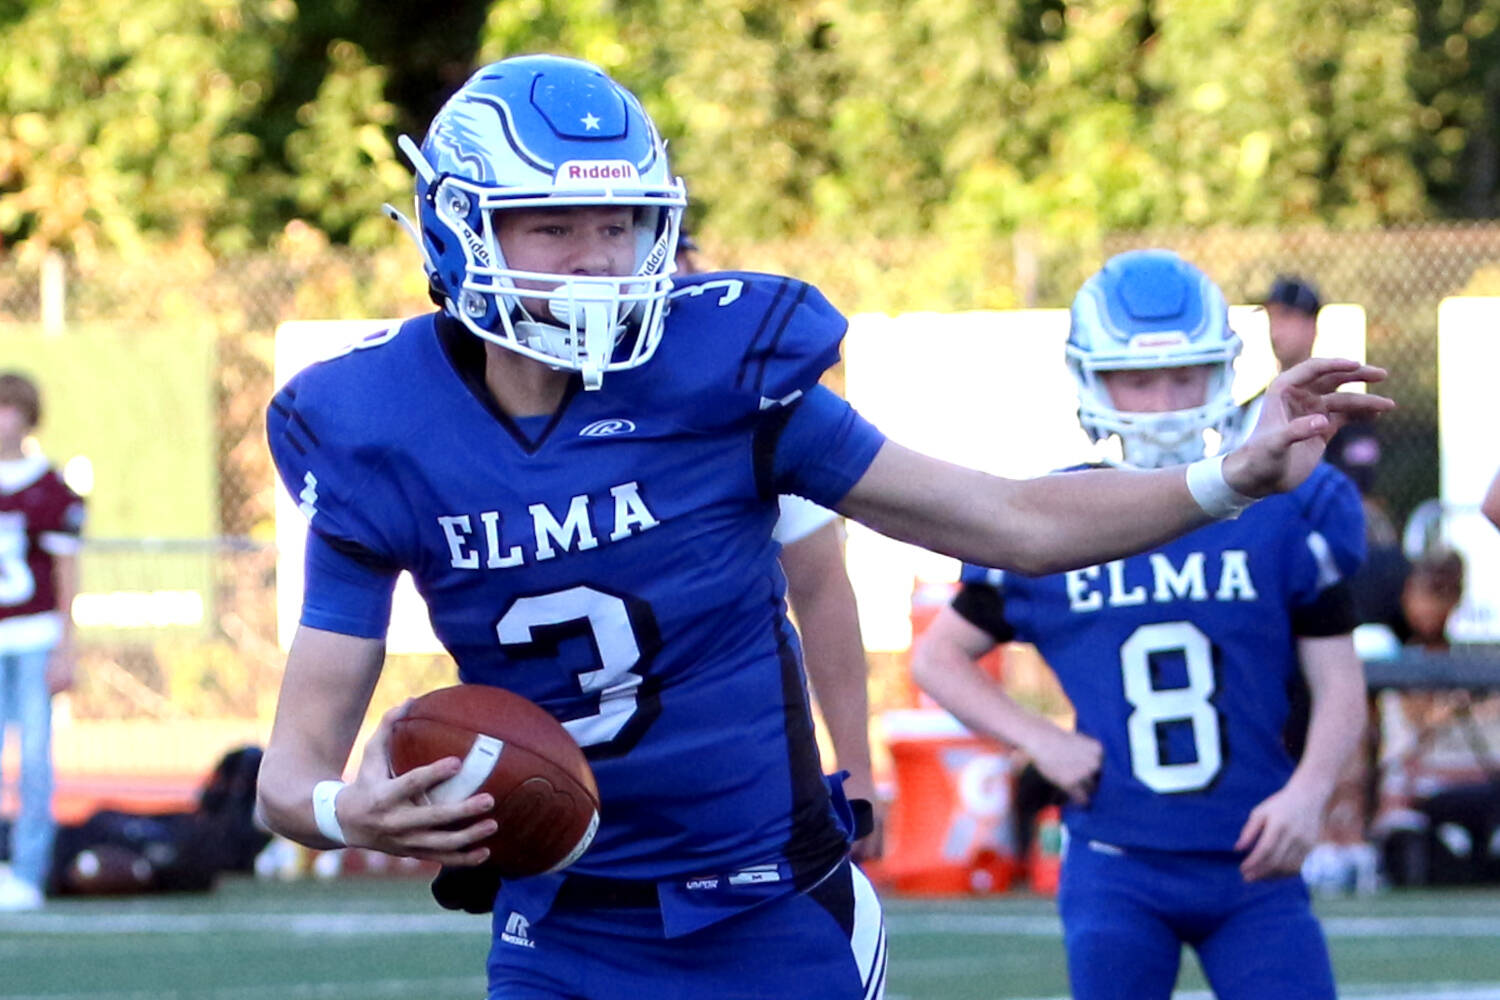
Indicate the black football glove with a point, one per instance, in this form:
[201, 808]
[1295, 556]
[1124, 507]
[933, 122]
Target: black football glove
[471, 889]
[864, 817]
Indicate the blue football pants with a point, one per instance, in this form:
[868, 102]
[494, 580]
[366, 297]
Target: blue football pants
[1127, 915]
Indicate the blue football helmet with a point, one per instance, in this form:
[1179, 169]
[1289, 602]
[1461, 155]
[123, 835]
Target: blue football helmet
[546, 132]
[1152, 309]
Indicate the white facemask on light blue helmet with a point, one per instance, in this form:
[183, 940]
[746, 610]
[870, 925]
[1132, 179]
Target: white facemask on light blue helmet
[1152, 309]
[546, 132]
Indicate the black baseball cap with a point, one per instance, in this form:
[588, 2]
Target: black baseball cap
[1295, 293]
[685, 240]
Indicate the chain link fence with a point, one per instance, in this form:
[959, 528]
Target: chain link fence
[205, 644]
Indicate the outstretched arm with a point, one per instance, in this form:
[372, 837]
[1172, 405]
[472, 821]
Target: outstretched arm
[1074, 519]
[945, 665]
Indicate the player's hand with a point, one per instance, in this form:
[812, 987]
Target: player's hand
[871, 846]
[1279, 834]
[860, 786]
[391, 815]
[1301, 411]
[1071, 761]
[471, 890]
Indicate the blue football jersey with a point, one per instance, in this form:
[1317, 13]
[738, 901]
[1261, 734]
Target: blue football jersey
[1179, 661]
[612, 562]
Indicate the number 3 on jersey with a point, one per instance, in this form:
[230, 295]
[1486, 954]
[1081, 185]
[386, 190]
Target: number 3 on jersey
[1155, 706]
[625, 638]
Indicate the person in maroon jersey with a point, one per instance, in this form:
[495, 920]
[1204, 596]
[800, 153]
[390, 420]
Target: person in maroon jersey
[40, 521]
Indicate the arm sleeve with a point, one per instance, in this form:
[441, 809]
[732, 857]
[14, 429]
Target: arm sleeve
[798, 518]
[61, 526]
[1330, 613]
[983, 606]
[817, 449]
[344, 593]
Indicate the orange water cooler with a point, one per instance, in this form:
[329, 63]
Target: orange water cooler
[948, 828]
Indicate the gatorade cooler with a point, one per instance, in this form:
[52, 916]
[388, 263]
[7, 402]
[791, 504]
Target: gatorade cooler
[1046, 852]
[948, 827]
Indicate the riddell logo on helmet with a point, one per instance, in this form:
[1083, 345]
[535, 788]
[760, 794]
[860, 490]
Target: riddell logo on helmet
[1158, 340]
[588, 172]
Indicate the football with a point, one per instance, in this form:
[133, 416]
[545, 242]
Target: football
[546, 802]
[106, 870]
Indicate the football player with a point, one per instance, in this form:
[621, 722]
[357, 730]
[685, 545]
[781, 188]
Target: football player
[1187, 821]
[578, 459]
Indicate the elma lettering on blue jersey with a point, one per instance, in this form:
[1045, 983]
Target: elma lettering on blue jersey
[1179, 660]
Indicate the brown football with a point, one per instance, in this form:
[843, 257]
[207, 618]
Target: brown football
[546, 802]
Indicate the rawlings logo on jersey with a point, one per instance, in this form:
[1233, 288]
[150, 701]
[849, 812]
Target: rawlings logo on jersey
[608, 427]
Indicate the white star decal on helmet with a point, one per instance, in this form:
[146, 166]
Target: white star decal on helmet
[590, 122]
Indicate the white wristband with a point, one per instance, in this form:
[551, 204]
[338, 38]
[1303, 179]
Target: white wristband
[1206, 482]
[325, 796]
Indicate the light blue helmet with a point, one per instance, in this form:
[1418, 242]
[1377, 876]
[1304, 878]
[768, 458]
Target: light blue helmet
[546, 132]
[1152, 309]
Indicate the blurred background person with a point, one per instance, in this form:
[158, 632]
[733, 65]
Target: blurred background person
[40, 523]
[1292, 305]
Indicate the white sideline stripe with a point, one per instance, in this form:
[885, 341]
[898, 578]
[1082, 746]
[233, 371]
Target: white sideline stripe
[1388, 991]
[387, 924]
[1367, 927]
[401, 988]
[1333, 927]
[330, 924]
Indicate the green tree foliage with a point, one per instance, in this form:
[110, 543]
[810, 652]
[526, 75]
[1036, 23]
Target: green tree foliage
[1455, 72]
[124, 121]
[911, 116]
[791, 119]
[214, 121]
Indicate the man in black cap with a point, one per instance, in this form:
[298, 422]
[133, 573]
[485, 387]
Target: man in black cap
[1292, 307]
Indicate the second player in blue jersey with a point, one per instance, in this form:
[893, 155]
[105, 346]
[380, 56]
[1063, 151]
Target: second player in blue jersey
[1188, 819]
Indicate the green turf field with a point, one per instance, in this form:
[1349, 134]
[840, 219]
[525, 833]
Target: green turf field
[365, 939]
